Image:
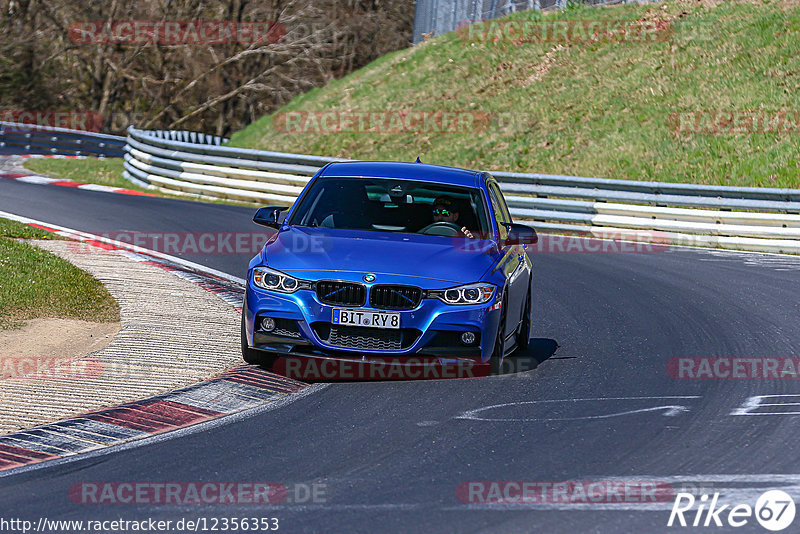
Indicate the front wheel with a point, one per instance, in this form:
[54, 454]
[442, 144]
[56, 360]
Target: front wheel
[496, 361]
[255, 357]
[524, 337]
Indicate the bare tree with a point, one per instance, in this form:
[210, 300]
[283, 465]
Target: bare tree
[215, 87]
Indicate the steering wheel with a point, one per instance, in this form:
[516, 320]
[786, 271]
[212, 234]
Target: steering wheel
[442, 228]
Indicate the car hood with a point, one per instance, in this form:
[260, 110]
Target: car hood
[313, 253]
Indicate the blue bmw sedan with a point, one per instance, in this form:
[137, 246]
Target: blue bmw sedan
[379, 259]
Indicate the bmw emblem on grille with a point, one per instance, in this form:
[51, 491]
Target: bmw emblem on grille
[369, 277]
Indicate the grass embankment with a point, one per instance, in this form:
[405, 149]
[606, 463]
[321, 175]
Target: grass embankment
[35, 283]
[602, 108]
[102, 171]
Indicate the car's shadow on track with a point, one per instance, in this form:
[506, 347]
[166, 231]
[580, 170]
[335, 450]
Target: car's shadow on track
[312, 370]
[539, 349]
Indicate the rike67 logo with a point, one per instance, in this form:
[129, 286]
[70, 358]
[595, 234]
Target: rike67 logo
[774, 510]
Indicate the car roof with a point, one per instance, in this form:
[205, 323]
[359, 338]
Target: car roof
[405, 171]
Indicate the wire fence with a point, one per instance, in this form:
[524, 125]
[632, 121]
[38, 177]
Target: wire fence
[435, 17]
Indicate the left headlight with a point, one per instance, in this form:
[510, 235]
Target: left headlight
[468, 294]
[273, 280]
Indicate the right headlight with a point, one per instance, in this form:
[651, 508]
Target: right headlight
[467, 294]
[273, 280]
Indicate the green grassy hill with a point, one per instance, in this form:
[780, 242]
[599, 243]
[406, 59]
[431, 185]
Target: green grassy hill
[607, 107]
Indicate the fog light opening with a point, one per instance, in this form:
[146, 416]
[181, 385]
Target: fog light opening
[468, 338]
[267, 324]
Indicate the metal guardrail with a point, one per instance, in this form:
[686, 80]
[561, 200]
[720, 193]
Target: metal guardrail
[749, 218]
[33, 139]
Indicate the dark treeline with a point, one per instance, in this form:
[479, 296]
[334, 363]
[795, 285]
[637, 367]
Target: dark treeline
[78, 56]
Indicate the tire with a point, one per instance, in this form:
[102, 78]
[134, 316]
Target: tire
[496, 361]
[524, 336]
[255, 357]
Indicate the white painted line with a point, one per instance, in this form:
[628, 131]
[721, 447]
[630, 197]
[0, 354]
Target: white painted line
[96, 187]
[135, 256]
[128, 246]
[669, 409]
[754, 403]
[34, 179]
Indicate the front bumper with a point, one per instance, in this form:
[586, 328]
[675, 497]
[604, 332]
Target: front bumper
[433, 329]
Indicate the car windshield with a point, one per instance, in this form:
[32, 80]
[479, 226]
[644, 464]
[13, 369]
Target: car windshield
[392, 205]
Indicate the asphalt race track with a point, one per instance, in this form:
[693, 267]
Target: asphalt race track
[391, 455]
[103, 213]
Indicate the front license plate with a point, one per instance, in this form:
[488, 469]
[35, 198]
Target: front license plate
[368, 318]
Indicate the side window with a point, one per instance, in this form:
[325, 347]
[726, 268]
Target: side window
[499, 208]
[502, 201]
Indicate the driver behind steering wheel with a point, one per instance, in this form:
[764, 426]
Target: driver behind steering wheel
[445, 209]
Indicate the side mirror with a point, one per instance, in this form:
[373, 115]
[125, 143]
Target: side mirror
[520, 234]
[269, 216]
